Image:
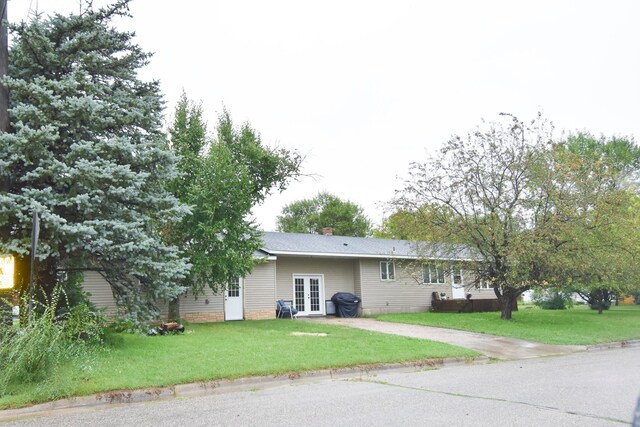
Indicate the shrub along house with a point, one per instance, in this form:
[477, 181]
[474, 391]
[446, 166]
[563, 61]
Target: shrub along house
[307, 269]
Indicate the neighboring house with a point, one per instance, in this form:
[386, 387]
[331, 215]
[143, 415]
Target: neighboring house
[307, 269]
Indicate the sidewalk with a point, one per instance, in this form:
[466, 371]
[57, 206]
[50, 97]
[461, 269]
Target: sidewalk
[491, 345]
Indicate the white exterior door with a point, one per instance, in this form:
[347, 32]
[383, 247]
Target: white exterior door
[457, 284]
[457, 291]
[233, 307]
[308, 294]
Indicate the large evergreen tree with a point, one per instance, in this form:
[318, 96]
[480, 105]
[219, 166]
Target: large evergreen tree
[87, 152]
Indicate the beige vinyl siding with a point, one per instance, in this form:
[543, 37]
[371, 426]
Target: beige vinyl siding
[469, 288]
[100, 292]
[102, 297]
[338, 274]
[163, 307]
[259, 288]
[258, 293]
[209, 302]
[476, 293]
[482, 293]
[357, 280]
[402, 295]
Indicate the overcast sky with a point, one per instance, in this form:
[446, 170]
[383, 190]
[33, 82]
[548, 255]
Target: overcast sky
[363, 88]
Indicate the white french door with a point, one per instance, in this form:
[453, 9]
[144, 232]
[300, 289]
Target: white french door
[233, 307]
[308, 294]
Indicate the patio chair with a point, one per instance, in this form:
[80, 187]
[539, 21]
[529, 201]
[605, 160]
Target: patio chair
[285, 310]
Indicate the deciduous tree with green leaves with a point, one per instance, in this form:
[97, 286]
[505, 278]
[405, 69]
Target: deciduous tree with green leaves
[534, 212]
[479, 192]
[87, 152]
[406, 224]
[603, 244]
[324, 210]
[222, 178]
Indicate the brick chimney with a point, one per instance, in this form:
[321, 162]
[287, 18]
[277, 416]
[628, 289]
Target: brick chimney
[327, 231]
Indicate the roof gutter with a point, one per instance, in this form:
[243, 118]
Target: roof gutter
[369, 256]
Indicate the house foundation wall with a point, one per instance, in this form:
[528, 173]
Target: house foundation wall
[392, 310]
[203, 317]
[260, 314]
[206, 317]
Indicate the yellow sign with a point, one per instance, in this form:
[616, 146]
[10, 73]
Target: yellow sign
[6, 271]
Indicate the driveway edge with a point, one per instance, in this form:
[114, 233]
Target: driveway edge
[613, 345]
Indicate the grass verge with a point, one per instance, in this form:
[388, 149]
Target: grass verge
[233, 350]
[573, 326]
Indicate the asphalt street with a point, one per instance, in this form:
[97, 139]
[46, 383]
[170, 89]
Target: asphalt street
[596, 388]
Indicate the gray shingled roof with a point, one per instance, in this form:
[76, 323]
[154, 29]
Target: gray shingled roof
[355, 247]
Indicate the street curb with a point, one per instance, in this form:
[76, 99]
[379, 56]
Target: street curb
[153, 394]
[205, 388]
[614, 345]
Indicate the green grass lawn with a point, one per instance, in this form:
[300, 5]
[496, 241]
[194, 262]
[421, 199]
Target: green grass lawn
[229, 350]
[574, 326]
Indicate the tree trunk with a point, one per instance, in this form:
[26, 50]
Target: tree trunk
[507, 301]
[602, 296]
[506, 312]
[174, 310]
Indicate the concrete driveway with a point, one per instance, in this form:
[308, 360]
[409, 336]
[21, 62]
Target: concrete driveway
[490, 345]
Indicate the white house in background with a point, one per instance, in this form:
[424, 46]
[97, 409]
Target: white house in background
[307, 269]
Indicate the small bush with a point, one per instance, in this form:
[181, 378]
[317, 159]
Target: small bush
[552, 300]
[125, 325]
[605, 305]
[85, 323]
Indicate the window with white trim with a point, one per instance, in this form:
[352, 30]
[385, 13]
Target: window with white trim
[387, 270]
[432, 274]
[483, 284]
[456, 275]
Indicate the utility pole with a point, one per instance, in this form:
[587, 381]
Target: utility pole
[4, 67]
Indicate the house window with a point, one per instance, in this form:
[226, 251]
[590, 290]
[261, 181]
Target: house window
[234, 288]
[387, 270]
[432, 274]
[456, 276]
[483, 284]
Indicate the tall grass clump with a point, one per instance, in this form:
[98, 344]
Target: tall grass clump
[47, 354]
